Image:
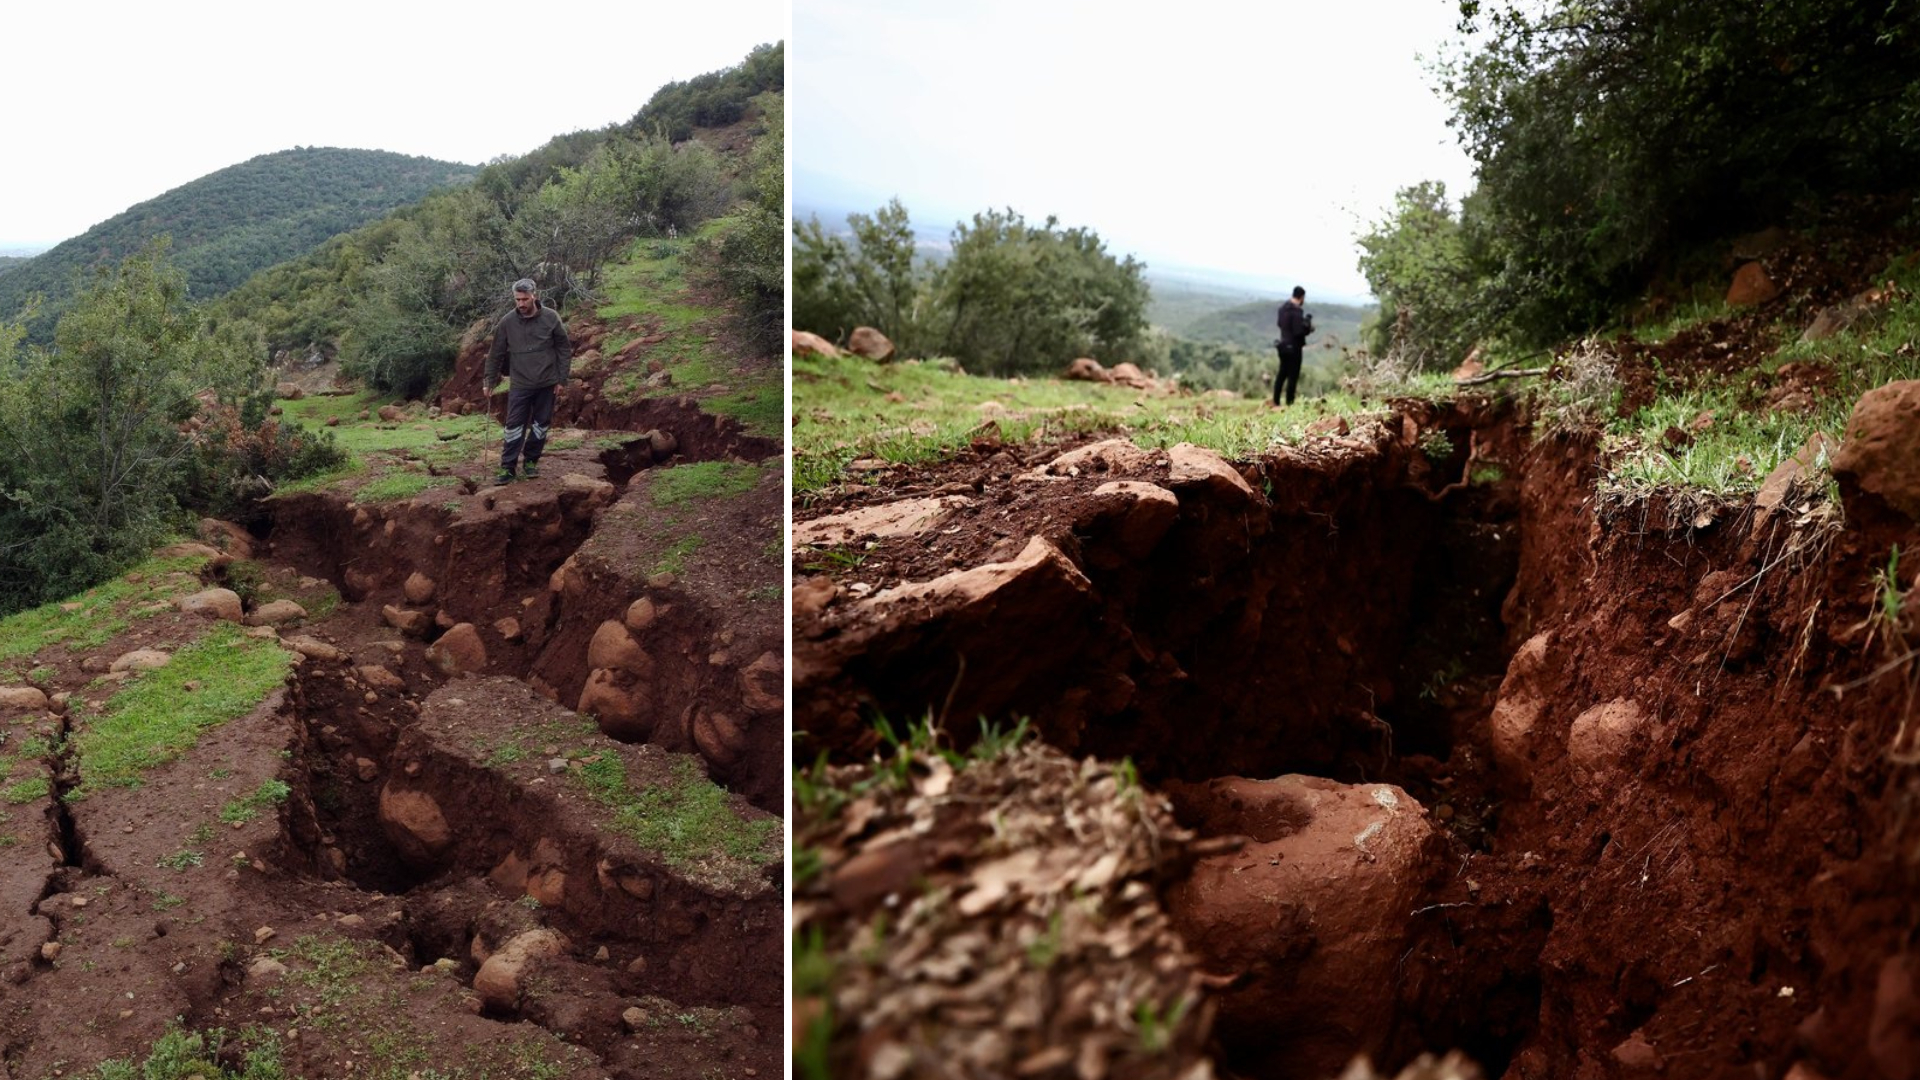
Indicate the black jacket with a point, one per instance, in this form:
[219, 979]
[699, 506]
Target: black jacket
[535, 350]
[1293, 325]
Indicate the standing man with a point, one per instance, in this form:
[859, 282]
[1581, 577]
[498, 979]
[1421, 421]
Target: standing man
[531, 343]
[1295, 325]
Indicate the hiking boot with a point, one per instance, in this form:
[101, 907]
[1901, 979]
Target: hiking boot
[503, 478]
[531, 470]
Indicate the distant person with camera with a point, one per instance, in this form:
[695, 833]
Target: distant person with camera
[1295, 325]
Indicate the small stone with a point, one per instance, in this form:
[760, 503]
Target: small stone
[366, 769]
[556, 765]
[350, 922]
[635, 1018]
[262, 935]
[602, 955]
[78, 901]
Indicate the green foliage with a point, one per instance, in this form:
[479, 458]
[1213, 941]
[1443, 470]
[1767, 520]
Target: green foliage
[156, 718]
[715, 99]
[26, 791]
[750, 258]
[1416, 262]
[229, 224]
[1612, 136]
[1012, 298]
[91, 452]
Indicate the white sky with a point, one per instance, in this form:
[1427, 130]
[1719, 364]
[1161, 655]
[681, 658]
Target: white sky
[113, 103]
[1249, 136]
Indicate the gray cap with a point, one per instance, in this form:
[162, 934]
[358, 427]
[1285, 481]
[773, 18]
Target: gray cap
[526, 285]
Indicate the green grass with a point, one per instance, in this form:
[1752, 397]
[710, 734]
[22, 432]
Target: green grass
[183, 1055]
[1732, 457]
[375, 445]
[687, 821]
[674, 559]
[759, 403]
[27, 791]
[842, 411]
[104, 610]
[402, 485]
[704, 480]
[156, 719]
[248, 807]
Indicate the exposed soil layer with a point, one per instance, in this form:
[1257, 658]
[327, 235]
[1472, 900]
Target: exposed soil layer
[417, 855]
[1663, 829]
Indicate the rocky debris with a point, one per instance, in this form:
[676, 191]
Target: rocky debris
[503, 977]
[763, 684]
[406, 620]
[805, 343]
[413, 821]
[230, 538]
[277, 612]
[141, 660]
[1037, 953]
[458, 651]
[392, 413]
[1310, 919]
[1119, 457]
[213, 604]
[907, 517]
[1751, 285]
[1834, 318]
[1127, 374]
[1602, 738]
[419, 588]
[870, 343]
[1518, 707]
[188, 549]
[380, 677]
[1880, 455]
[1087, 369]
[1197, 467]
[619, 703]
[23, 698]
[640, 614]
[1132, 517]
[1893, 1035]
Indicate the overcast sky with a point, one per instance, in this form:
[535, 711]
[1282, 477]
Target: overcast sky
[1251, 137]
[110, 105]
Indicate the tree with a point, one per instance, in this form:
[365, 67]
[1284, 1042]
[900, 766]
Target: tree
[1017, 298]
[1613, 135]
[874, 281]
[1416, 263]
[91, 433]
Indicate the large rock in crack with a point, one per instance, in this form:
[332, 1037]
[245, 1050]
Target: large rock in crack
[1880, 457]
[1310, 918]
[911, 644]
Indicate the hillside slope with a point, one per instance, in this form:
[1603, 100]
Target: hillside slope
[229, 224]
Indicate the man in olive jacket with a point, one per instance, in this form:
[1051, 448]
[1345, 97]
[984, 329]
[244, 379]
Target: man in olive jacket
[531, 344]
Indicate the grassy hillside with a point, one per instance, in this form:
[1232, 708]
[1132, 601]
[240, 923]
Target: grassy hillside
[1251, 325]
[232, 223]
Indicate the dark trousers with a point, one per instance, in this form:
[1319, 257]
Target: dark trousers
[528, 414]
[1289, 376]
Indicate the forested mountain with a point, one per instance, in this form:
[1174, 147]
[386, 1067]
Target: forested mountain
[1252, 325]
[230, 224]
[8, 262]
[393, 296]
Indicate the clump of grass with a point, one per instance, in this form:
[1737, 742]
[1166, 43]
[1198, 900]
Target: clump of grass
[688, 820]
[181, 1055]
[674, 559]
[703, 480]
[27, 791]
[248, 807]
[156, 718]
